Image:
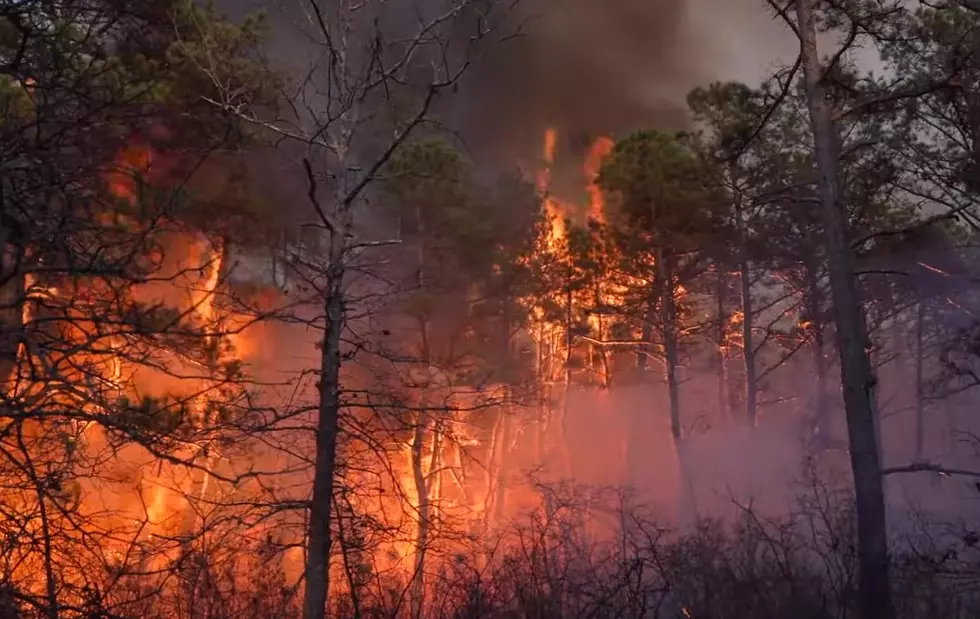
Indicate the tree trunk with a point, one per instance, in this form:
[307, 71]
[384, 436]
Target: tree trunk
[12, 257]
[503, 470]
[668, 320]
[920, 402]
[821, 410]
[646, 335]
[562, 425]
[206, 310]
[351, 558]
[604, 373]
[722, 360]
[748, 345]
[668, 323]
[420, 475]
[856, 371]
[421, 480]
[503, 473]
[317, 573]
[639, 419]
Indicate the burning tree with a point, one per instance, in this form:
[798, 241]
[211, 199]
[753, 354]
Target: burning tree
[376, 77]
[665, 206]
[102, 350]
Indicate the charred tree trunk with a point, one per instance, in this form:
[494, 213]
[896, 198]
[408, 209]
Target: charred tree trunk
[420, 476]
[721, 298]
[748, 345]
[317, 574]
[646, 335]
[821, 411]
[564, 455]
[920, 401]
[668, 321]
[503, 471]
[856, 371]
[12, 255]
[423, 508]
[666, 294]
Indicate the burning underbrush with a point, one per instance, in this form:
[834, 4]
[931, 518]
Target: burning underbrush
[586, 553]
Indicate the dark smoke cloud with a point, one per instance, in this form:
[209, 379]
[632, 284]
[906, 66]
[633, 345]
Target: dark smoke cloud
[586, 67]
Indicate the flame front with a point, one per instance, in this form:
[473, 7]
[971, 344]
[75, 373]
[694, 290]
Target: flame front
[430, 473]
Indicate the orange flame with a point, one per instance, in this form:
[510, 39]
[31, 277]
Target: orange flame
[133, 162]
[555, 213]
[599, 150]
[550, 143]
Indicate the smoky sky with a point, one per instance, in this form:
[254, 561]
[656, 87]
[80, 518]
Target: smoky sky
[584, 67]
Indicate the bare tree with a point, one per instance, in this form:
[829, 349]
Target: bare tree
[377, 73]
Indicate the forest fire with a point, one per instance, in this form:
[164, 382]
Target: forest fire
[553, 210]
[441, 482]
[283, 333]
[599, 150]
[162, 501]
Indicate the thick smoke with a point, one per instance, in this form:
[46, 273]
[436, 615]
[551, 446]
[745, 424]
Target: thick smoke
[585, 67]
[589, 68]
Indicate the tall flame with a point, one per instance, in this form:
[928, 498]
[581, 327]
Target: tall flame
[599, 150]
[552, 208]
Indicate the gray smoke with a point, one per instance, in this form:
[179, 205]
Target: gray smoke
[585, 67]
[591, 67]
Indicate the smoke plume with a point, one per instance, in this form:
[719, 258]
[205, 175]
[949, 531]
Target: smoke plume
[588, 68]
[585, 67]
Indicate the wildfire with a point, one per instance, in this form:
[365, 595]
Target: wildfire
[429, 484]
[131, 165]
[603, 293]
[556, 210]
[164, 490]
[599, 150]
[553, 210]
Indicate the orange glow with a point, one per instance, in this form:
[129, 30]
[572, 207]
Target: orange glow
[553, 209]
[603, 293]
[131, 165]
[167, 493]
[550, 143]
[203, 298]
[599, 150]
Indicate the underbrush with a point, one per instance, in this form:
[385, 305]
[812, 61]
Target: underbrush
[573, 561]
